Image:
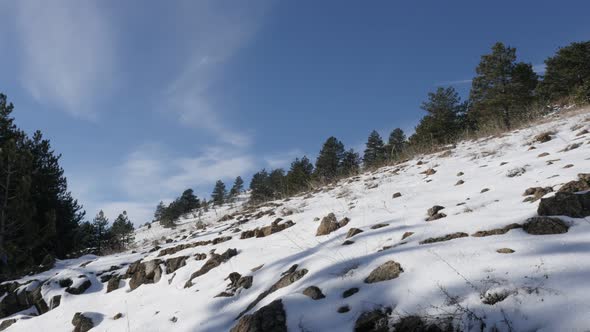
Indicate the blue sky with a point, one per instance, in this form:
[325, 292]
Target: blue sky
[147, 98]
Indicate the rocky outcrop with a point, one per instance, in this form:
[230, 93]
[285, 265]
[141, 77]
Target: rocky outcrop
[447, 237]
[352, 232]
[314, 292]
[237, 282]
[434, 214]
[372, 321]
[7, 323]
[536, 192]
[287, 278]
[386, 271]
[113, 283]
[575, 205]
[80, 286]
[275, 227]
[173, 264]
[350, 292]
[17, 297]
[582, 184]
[214, 261]
[496, 231]
[82, 323]
[270, 318]
[143, 273]
[329, 224]
[173, 250]
[545, 226]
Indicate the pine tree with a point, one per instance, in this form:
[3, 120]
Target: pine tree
[237, 188]
[278, 183]
[396, 144]
[351, 163]
[375, 150]
[188, 201]
[328, 162]
[442, 123]
[219, 193]
[260, 188]
[101, 231]
[502, 88]
[299, 175]
[122, 231]
[160, 210]
[567, 74]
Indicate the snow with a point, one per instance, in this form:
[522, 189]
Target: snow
[546, 278]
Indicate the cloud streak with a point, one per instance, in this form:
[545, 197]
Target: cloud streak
[67, 53]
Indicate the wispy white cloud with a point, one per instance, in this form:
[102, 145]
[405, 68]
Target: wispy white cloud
[539, 69]
[457, 82]
[217, 32]
[67, 53]
[283, 159]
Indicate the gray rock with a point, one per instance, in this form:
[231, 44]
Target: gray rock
[545, 226]
[270, 318]
[387, 271]
[372, 321]
[81, 323]
[352, 232]
[565, 204]
[314, 293]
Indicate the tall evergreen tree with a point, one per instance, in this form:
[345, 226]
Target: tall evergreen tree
[567, 73]
[188, 201]
[237, 187]
[374, 151]
[122, 231]
[219, 193]
[351, 163]
[442, 123]
[327, 165]
[299, 175]
[101, 231]
[396, 143]
[260, 188]
[278, 183]
[502, 88]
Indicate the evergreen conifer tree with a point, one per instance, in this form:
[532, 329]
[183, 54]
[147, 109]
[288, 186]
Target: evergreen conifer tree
[327, 165]
[237, 187]
[122, 231]
[374, 151]
[396, 144]
[219, 193]
[351, 163]
[101, 231]
[299, 175]
[503, 88]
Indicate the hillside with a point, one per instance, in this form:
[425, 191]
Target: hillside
[395, 265]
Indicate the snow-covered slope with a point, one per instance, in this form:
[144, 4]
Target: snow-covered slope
[545, 281]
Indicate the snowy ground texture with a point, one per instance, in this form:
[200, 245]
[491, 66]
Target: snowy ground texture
[544, 285]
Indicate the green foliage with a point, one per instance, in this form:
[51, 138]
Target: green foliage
[503, 88]
[167, 215]
[237, 187]
[396, 144]
[122, 232]
[101, 231]
[299, 176]
[260, 187]
[442, 123]
[219, 193]
[374, 151]
[327, 166]
[38, 216]
[351, 163]
[567, 74]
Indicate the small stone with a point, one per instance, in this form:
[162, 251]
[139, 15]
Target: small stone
[505, 251]
[397, 194]
[352, 232]
[544, 154]
[347, 242]
[117, 316]
[386, 271]
[406, 235]
[568, 166]
[460, 182]
[343, 309]
[350, 292]
[314, 293]
[484, 190]
[460, 174]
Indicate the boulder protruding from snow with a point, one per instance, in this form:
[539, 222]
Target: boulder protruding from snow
[545, 226]
[373, 321]
[329, 224]
[575, 205]
[213, 262]
[314, 292]
[269, 318]
[79, 286]
[82, 323]
[144, 273]
[386, 271]
[434, 214]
